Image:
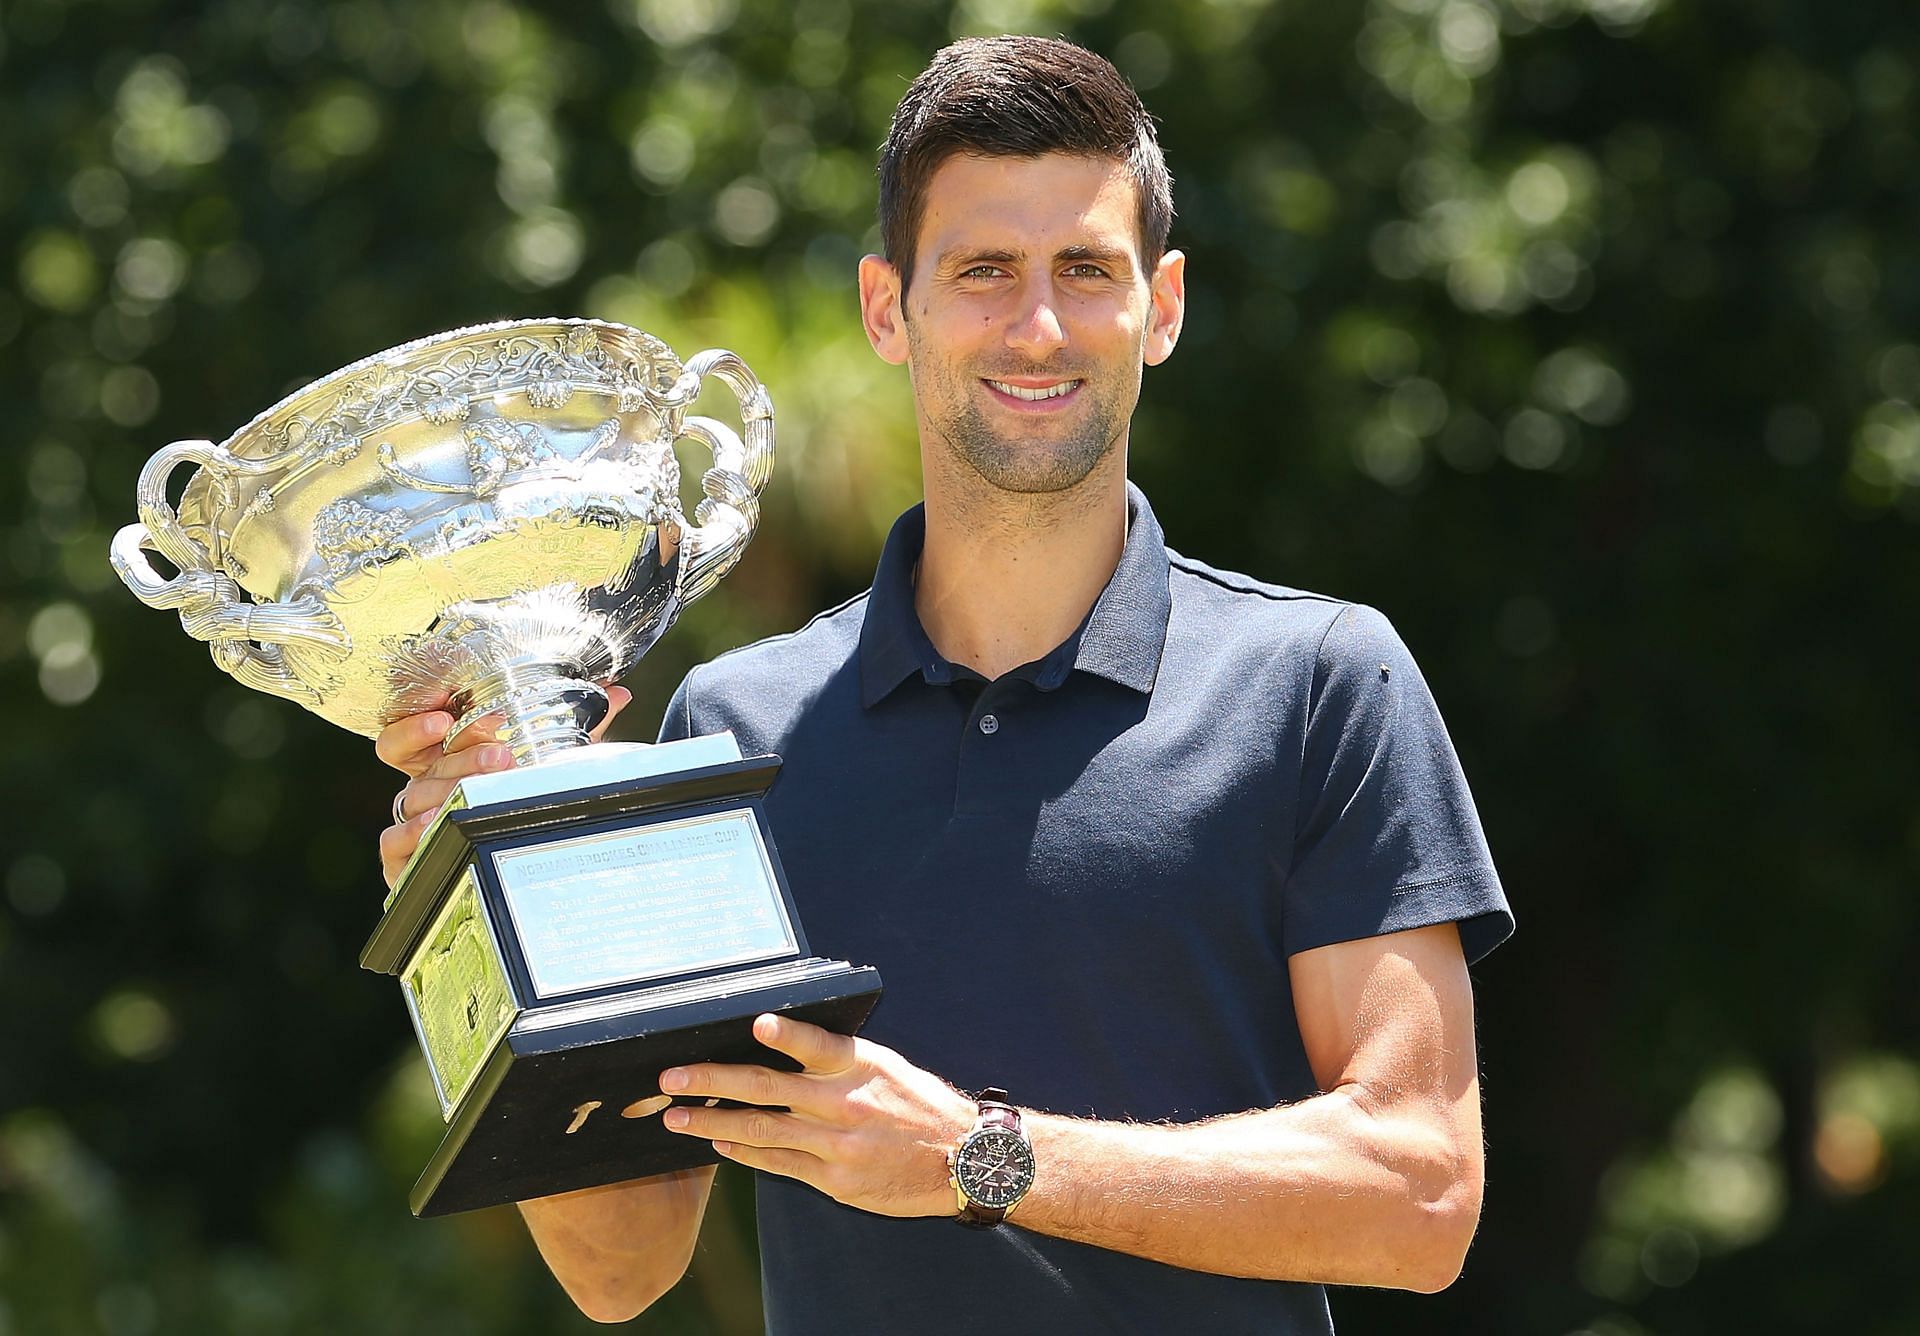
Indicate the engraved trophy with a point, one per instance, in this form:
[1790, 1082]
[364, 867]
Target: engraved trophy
[491, 517]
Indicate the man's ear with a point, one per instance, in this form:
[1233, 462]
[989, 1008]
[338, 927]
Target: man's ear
[1168, 293]
[881, 309]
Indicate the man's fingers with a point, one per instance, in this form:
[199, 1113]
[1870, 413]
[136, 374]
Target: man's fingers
[397, 844]
[484, 729]
[410, 744]
[779, 1143]
[618, 698]
[786, 1163]
[416, 743]
[749, 1085]
[428, 792]
[813, 1048]
[761, 1128]
[424, 796]
[457, 765]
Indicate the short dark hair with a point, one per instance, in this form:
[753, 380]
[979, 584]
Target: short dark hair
[1017, 97]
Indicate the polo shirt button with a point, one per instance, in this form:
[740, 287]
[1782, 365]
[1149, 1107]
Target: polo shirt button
[989, 724]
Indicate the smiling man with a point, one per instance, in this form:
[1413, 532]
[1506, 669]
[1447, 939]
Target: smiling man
[1173, 875]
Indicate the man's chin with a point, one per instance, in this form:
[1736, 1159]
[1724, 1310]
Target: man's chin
[1019, 472]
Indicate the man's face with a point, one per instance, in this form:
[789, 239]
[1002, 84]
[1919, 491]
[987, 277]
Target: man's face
[1029, 316]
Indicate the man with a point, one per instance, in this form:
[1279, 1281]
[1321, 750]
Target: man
[1183, 861]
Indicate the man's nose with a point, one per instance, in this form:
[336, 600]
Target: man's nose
[1036, 329]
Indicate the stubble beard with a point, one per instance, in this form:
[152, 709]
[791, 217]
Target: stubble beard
[1022, 465]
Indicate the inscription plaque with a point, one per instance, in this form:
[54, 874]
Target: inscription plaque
[646, 903]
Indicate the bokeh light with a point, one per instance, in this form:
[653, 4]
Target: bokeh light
[1578, 335]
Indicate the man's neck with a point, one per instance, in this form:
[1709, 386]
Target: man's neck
[1005, 578]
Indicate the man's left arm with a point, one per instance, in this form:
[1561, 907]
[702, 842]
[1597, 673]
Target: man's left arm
[1375, 1181]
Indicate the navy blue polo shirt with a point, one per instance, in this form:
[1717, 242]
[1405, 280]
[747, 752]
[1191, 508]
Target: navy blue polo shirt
[1081, 882]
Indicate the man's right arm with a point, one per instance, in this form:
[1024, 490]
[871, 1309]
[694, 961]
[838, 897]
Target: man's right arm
[614, 1249]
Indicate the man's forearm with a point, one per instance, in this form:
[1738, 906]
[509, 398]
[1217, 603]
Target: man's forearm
[1338, 1189]
[616, 1249]
[1375, 1183]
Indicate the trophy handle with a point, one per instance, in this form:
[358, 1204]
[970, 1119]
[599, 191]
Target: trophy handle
[726, 517]
[245, 637]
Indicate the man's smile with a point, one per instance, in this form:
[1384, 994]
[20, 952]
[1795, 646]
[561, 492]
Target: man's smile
[1050, 393]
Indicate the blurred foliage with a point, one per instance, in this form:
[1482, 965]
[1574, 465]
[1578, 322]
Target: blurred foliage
[1582, 336]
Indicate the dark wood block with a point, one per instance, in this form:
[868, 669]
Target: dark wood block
[536, 1084]
[509, 1140]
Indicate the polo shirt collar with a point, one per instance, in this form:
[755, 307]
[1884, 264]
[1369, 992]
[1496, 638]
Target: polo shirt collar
[1121, 639]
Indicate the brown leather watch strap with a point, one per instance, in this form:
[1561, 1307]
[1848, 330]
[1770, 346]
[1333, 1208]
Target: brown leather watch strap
[995, 1111]
[975, 1216]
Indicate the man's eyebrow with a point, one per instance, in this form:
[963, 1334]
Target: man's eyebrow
[966, 257]
[1107, 255]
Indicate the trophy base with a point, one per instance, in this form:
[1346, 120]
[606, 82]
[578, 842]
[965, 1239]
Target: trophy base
[570, 1097]
[568, 930]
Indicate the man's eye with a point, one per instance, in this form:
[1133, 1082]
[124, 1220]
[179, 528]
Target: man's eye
[1086, 269]
[981, 271]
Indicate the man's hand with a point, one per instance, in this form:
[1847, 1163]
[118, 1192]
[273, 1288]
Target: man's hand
[866, 1126]
[413, 745]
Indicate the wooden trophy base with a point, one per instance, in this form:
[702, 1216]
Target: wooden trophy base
[560, 947]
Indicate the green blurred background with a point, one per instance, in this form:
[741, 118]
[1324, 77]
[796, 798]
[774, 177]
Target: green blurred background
[1581, 336]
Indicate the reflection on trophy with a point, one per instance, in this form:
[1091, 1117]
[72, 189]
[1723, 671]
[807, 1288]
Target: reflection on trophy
[491, 518]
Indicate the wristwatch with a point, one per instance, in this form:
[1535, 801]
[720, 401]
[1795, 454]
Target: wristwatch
[992, 1167]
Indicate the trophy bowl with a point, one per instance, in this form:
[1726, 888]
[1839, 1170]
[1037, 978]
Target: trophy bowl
[488, 517]
[489, 520]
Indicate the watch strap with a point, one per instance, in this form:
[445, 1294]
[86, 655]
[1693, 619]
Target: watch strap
[995, 1111]
[975, 1216]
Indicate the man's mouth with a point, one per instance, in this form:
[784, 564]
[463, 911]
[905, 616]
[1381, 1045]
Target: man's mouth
[1033, 394]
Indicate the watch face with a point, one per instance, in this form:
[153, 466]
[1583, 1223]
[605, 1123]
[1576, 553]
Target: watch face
[994, 1167]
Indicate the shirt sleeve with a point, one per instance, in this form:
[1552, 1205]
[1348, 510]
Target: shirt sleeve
[1386, 836]
[677, 722]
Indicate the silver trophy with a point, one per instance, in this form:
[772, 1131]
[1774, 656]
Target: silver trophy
[489, 521]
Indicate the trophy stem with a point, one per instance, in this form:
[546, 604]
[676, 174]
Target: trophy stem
[543, 710]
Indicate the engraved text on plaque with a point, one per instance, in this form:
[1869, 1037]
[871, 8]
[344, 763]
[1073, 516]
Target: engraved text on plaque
[642, 904]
